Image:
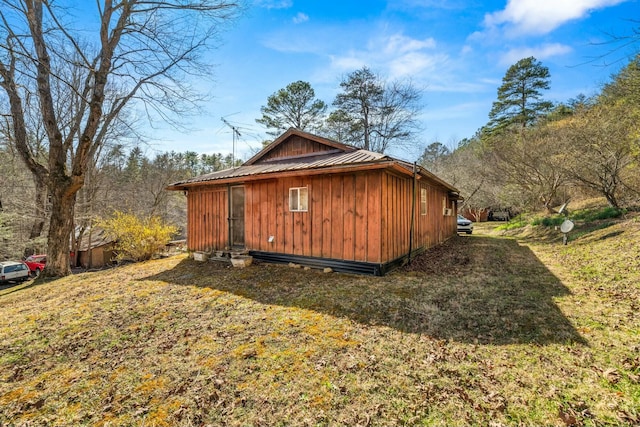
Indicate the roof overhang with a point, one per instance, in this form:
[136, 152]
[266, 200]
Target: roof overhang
[388, 164]
[392, 165]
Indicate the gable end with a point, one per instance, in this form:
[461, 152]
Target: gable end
[295, 144]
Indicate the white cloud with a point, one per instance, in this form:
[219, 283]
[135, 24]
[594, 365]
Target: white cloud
[540, 53]
[398, 43]
[413, 63]
[348, 62]
[542, 16]
[395, 55]
[300, 18]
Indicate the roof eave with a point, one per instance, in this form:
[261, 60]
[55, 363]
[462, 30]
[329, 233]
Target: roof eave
[385, 164]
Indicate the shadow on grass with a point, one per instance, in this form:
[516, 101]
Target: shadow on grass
[610, 235]
[9, 288]
[472, 289]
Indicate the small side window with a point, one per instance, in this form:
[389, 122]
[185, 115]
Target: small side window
[423, 201]
[299, 199]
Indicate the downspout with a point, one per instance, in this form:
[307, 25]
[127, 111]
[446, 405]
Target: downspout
[413, 213]
[229, 219]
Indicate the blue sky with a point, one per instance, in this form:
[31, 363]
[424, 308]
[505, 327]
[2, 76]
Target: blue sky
[457, 51]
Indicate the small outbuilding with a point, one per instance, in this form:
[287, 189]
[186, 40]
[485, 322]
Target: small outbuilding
[95, 249]
[314, 201]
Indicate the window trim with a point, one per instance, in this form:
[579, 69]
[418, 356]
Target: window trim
[298, 191]
[423, 201]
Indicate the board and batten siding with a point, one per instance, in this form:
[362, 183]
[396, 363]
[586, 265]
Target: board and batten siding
[342, 220]
[362, 216]
[429, 229]
[294, 147]
[207, 224]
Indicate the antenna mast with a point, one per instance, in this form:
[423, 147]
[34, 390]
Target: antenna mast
[236, 133]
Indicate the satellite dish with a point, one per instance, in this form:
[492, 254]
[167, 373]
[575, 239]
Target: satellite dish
[566, 226]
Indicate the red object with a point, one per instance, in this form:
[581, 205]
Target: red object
[36, 263]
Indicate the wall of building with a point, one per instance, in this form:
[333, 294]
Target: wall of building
[98, 257]
[362, 216]
[207, 213]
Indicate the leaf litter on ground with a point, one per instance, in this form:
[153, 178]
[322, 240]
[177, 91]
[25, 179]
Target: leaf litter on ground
[481, 330]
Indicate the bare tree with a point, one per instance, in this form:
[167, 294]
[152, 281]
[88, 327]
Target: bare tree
[529, 159]
[377, 113]
[141, 52]
[600, 149]
[469, 169]
[434, 156]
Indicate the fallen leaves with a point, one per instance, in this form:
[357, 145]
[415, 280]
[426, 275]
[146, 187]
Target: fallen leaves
[476, 332]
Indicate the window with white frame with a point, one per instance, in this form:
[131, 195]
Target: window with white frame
[423, 201]
[446, 211]
[299, 199]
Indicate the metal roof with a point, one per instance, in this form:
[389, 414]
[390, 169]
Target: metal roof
[358, 157]
[99, 237]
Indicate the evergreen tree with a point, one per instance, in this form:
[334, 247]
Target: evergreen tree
[520, 96]
[433, 156]
[295, 106]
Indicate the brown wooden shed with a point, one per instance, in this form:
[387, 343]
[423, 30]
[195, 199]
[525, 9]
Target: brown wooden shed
[317, 202]
[95, 249]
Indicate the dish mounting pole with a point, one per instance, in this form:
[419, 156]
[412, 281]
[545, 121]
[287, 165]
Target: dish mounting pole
[236, 134]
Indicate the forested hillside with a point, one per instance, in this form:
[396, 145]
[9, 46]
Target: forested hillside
[533, 154]
[124, 180]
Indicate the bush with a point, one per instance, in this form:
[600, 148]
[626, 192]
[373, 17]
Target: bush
[549, 221]
[516, 222]
[583, 215]
[137, 238]
[588, 215]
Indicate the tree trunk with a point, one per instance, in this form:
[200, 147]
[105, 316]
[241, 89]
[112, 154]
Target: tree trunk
[60, 229]
[39, 208]
[611, 198]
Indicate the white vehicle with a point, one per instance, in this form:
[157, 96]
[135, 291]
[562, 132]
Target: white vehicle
[464, 225]
[12, 271]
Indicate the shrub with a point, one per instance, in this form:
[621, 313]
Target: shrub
[548, 221]
[137, 238]
[588, 215]
[516, 222]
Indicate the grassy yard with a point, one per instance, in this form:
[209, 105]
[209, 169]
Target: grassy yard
[484, 330]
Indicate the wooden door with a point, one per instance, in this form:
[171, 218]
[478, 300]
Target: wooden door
[237, 216]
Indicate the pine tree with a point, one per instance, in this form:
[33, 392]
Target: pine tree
[295, 106]
[520, 96]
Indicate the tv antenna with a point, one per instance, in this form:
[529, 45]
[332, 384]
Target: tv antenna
[236, 134]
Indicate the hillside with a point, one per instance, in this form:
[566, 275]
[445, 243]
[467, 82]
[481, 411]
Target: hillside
[486, 329]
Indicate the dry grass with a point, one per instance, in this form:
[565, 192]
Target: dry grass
[485, 330]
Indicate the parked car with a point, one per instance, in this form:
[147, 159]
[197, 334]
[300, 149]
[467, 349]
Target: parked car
[13, 271]
[36, 264]
[464, 225]
[503, 215]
